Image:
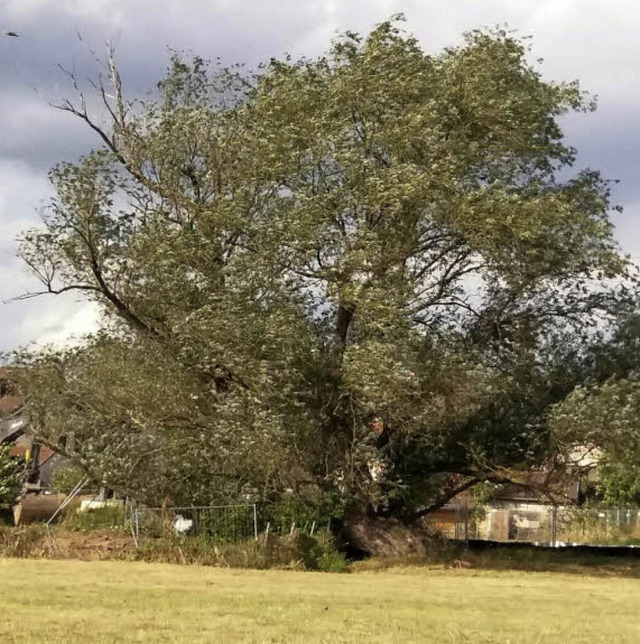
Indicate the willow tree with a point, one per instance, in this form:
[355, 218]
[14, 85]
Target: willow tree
[340, 278]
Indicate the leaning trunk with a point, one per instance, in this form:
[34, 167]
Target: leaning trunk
[365, 535]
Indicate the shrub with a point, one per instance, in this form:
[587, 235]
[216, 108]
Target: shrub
[320, 552]
[108, 517]
[289, 510]
[11, 476]
[226, 525]
[28, 541]
[6, 517]
[64, 479]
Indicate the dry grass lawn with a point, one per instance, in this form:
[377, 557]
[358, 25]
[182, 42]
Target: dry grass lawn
[73, 601]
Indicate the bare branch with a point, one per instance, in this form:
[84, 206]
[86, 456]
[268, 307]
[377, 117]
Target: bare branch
[52, 291]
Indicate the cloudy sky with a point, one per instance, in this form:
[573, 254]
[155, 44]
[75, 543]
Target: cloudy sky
[594, 41]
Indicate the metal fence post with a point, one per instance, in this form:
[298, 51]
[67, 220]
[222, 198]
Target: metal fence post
[554, 529]
[466, 524]
[135, 528]
[231, 523]
[255, 521]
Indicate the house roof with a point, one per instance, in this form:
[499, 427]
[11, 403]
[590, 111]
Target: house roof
[9, 403]
[44, 454]
[533, 482]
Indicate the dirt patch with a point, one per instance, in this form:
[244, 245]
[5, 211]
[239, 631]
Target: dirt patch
[90, 546]
[35, 541]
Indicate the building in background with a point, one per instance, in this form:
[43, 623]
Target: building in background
[40, 460]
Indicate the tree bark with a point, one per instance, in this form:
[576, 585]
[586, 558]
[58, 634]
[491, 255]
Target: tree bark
[383, 537]
[343, 321]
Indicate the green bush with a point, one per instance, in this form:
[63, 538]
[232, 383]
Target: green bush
[64, 479]
[320, 552]
[250, 553]
[11, 476]
[297, 551]
[108, 517]
[290, 510]
[6, 517]
[226, 525]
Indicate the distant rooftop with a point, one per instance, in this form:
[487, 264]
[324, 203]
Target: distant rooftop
[8, 402]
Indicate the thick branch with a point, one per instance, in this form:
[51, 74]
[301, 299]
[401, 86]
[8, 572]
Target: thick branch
[119, 305]
[443, 500]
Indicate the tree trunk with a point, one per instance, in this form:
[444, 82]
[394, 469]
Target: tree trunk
[383, 537]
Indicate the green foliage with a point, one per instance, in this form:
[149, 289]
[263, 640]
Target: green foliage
[11, 477]
[282, 258]
[484, 492]
[603, 419]
[320, 552]
[108, 517]
[65, 478]
[302, 552]
[6, 516]
[618, 483]
[600, 525]
[203, 552]
[290, 510]
[231, 525]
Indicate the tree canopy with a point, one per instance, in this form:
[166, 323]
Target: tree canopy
[361, 278]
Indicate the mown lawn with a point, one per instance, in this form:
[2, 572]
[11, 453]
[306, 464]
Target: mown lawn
[73, 601]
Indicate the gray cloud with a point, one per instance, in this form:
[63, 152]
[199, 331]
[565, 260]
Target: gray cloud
[586, 39]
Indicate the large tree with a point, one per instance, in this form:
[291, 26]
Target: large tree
[353, 278]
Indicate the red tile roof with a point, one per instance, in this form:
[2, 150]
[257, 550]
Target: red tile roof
[21, 450]
[8, 403]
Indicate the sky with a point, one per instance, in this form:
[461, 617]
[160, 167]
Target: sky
[590, 40]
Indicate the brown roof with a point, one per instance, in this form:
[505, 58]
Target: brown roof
[562, 486]
[21, 450]
[8, 402]
[559, 484]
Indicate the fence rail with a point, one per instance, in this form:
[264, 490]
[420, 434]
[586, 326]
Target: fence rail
[223, 523]
[537, 523]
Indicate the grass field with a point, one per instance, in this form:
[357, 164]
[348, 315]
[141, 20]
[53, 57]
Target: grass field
[73, 601]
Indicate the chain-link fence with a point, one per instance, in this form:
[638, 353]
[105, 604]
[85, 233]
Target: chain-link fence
[222, 523]
[539, 523]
